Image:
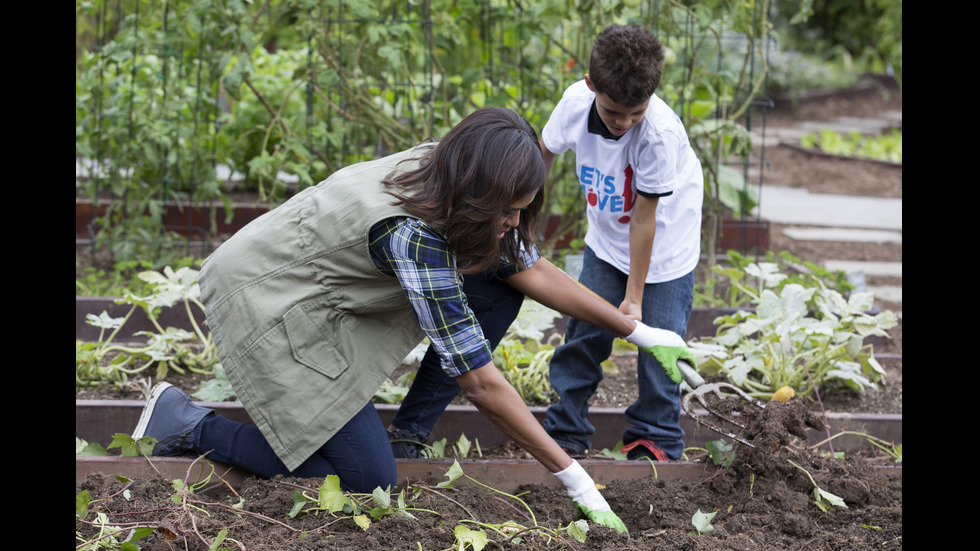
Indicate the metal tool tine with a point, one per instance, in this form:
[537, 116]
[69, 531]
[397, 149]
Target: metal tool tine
[716, 389]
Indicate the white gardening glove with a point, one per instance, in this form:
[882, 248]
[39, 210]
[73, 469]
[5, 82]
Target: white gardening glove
[581, 488]
[670, 350]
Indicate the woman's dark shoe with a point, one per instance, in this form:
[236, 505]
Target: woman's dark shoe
[170, 417]
[406, 444]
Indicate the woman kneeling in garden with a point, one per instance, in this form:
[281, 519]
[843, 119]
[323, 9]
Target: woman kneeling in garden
[315, 303]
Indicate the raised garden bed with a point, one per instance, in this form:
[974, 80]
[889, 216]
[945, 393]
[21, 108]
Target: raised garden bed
[765, 499]
[98, 420]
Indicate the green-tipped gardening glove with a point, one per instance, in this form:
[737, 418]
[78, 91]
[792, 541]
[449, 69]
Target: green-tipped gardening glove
[670, 350]
[581, 488]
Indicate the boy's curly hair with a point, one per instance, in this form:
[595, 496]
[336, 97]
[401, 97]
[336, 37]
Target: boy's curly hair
[626, 64]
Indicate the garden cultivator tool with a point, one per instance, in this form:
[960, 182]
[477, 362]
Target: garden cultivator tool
[715, 398]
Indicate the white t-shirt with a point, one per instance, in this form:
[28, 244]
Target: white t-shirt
[654, 157]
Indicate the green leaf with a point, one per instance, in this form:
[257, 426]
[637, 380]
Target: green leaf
[721, 452]
[702, 522]
[82, 500]
[363, 521]
[614, 452]
[476, 539]
[299, 500]
[826, 500]
[436, 450]
[734, 193]
[215, 390]
[137, 535]
[92, 450]
[381, 497]
[88, 449]
[330, 497]
[454, 472]
[578, 530]
[131, 447]
[463, 445]
[103, 320]
[222, 534]
[702, 108]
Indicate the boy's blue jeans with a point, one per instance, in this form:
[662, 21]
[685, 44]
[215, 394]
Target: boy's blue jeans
[575, 371]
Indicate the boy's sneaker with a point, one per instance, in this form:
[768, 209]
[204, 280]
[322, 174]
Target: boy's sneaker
[406, 444]
[170, 417]
[644, 449]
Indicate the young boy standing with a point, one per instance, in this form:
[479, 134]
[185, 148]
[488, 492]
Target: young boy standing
[644, 190]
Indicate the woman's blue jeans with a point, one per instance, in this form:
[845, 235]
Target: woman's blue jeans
[575, 369]
[495, 305]
[359, 454]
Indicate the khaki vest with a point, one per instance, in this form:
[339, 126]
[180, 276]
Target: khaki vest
[306, 326]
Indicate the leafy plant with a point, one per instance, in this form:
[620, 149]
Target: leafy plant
[167, 348]
[880, 147]
[393, 392]
[86, 449]
[124, 277]
[859, 37]
[893, 450]
[722, 453]
[109, 536]
[522, 356]
[824, 500]
[460, 450]
[613, 453]
[512, 530]
[735, 284]
[128, 446]
[474, 539]
[217, 388]
[798, 337]
[122, 537]
[362, 508]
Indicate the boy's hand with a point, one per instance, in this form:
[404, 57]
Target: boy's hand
[668, 348]
[632, 310]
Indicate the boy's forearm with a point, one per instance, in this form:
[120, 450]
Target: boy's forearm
[639, 266]
[549, 159]
[643, 226]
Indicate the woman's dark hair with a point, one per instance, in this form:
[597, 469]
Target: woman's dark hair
[466, 181]
[626, 64]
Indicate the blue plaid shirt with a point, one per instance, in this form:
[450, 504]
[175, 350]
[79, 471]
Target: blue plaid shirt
[420, 258]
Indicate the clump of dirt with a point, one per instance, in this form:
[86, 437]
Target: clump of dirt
[776, 424]
[773, 496]
[766, 427]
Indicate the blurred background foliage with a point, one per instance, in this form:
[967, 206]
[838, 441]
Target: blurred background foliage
[190, 102]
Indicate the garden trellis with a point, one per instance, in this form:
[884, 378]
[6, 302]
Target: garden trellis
[178, 103]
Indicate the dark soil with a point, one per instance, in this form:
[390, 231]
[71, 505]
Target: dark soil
[763, 501]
